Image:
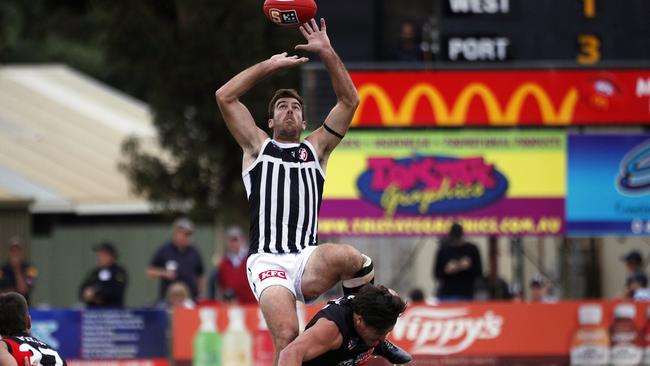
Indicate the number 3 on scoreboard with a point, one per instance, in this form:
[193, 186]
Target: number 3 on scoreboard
[589, 49]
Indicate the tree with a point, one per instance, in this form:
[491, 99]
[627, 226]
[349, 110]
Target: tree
[176, 54]
[173, 55]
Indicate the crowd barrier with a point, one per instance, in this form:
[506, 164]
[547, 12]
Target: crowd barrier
[105, 337]
[490, 333]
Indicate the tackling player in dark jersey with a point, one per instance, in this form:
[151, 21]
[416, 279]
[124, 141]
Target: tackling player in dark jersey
[17, 346]
[347, 330]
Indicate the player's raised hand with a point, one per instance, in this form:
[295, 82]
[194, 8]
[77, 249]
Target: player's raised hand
[317, 40]
[283, 61]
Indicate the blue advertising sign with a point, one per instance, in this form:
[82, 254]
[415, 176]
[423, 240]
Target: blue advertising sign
[61, 329]
[608, 185]
[103, 334]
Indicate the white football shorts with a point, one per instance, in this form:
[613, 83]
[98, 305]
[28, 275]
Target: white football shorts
[268, 269]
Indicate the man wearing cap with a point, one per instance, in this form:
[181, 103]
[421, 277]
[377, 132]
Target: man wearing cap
[636, 276]
[178, 260]
[104, 286]
[232, 278]
[17, 274]
[539, 290]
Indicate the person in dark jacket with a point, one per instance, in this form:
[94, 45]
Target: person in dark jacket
[17, 274]
[105, 285]
[457, 267]
[347, 330]
[178, 259]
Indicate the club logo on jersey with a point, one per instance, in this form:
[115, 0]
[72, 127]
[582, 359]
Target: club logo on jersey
[302, 154]
[359, 360]
[352, 343]
[273, 273]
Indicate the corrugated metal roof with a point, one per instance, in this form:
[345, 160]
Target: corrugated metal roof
[60, 136]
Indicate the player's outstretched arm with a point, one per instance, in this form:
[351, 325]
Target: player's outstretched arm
[338, 120]
[313, 342]
[238, 118]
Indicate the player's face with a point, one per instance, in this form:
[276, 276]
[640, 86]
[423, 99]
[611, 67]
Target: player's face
[16, 251]
[371, 335]
[182, 237]
[234, 244]
[287, 122]
[104, 259]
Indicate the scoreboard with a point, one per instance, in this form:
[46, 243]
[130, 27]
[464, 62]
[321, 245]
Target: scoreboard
[587, 32]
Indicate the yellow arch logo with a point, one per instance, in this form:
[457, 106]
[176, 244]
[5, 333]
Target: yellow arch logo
[457, 116]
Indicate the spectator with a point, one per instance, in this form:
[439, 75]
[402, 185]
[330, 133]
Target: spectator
[457, 266]
[416, 296]
[408, 48]
[232, 278]
[634, 267]
[539, 290]
[637, 285]
[17, 274]
[178, 294]
[105, 285]
[178, 260]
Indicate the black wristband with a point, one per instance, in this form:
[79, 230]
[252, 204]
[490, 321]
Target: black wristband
[328, 129]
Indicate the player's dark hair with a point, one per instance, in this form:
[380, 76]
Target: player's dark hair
[285, 93]
[377, 306]
[13, 314]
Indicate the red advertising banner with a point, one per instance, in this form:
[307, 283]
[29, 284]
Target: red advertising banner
[502, 98]
[491, 333]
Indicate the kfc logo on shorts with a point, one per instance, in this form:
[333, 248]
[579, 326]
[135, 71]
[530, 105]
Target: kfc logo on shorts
[302, 154]
[273, 273]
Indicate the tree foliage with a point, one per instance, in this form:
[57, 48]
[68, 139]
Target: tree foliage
[173, 55]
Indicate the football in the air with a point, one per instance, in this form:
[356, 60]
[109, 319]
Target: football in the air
[289, 13]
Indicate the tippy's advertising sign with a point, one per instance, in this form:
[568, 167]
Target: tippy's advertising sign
[446, 331]
[418, 183]
[487, 333]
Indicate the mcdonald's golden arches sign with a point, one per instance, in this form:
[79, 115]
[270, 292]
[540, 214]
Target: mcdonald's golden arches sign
[502, 98]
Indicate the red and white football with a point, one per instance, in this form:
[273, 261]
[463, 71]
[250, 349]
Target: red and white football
[289, 13]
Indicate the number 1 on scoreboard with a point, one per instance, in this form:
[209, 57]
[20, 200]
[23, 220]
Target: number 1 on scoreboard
[589, 8]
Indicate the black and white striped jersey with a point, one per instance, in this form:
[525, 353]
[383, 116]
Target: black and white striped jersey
[285, 188]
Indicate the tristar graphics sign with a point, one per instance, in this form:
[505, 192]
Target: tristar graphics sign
[418, 183]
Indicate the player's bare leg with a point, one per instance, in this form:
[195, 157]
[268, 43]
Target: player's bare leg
[279, 309]
[331, 263]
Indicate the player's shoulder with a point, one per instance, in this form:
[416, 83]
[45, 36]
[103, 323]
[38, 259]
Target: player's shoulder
[340, 305]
